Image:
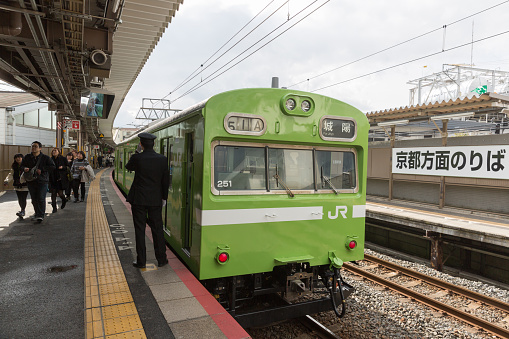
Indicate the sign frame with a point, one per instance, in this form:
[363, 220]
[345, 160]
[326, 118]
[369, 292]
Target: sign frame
[486, 161]
[75, 124]
[333, 117]
[244, 116]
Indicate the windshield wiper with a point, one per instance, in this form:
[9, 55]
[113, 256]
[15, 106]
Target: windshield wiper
[278, 180]
[327, 180]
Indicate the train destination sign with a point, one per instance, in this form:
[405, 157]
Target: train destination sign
[337, 128]
[458, 161]
[242, 123]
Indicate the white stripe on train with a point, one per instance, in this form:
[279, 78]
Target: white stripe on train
[262, 215]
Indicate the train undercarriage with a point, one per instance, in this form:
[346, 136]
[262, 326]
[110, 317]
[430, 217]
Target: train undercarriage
[289, 291]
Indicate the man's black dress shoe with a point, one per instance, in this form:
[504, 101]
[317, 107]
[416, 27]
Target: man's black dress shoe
[161, 264]
[135, 264]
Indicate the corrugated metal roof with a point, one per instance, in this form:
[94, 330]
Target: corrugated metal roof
[9, 99]
[472, 103]
[143, 24]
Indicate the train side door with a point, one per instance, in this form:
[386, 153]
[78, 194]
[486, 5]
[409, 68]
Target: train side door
[166, 148]
[188, 195]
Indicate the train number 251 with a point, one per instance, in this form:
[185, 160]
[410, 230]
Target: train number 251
[224, 184]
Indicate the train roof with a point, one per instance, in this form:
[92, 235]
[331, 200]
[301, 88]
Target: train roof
[160, 123]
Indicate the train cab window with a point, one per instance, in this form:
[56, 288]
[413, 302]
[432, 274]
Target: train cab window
[239, 168]
[279, 169]
[292, 168]
[335, 170]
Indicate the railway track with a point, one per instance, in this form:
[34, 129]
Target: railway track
[429, 300]
[317, 328]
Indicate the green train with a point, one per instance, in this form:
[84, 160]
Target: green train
[267, 193]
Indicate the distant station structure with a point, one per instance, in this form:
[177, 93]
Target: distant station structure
[155, 109]
[472, 100]
[456, 81]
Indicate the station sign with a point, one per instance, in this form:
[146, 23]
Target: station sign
[67, 124]
[75, 124]
[96, 146]
[458, 161]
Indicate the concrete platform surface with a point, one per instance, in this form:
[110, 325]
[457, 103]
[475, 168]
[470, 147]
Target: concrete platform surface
[52, 277]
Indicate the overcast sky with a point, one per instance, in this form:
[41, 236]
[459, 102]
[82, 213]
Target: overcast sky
[334, 35]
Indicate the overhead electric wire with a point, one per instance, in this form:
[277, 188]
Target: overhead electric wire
[410, 61]
[192, 76]
[399, 44]
[201, 84]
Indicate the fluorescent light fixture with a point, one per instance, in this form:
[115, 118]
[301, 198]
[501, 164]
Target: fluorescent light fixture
[452, 116]
[393, 123]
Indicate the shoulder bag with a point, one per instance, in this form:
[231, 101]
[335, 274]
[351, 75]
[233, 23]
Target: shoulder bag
[31, 175]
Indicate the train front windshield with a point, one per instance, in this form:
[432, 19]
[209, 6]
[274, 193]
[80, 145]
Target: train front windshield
[266, 169]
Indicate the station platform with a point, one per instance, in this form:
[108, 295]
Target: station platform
[479, 226]
[71, 276]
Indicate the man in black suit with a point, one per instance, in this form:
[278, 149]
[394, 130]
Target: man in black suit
[147, 196]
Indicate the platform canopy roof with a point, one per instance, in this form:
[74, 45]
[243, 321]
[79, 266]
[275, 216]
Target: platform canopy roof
[486, 103]
[62, 50]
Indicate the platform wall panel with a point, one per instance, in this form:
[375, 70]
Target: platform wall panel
[478, 198]
[406, 190]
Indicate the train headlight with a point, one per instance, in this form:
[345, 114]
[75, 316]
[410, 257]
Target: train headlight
[290, 104]
[297, 104]
[352, 244]
[305, 105]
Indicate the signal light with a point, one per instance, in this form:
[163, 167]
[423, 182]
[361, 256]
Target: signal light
[223, 257]
[352, 244]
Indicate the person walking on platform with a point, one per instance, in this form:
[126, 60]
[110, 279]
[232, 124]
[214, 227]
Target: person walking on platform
[58, 181]
[147, 196]
[70, 159]
[100, 160]
[36, 167]
[20, 186]
[81, 173]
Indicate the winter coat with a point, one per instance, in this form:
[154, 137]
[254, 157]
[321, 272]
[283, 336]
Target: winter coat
[14, 177]
[87, 175]
[46, 165]
[59, 174]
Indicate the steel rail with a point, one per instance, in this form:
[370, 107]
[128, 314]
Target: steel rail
[317, 328]
[442, 284]
[435, 304]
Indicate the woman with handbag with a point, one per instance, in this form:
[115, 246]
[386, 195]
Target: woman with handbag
[20, 185]
[58, 179]
[77, 168]
[70, 159]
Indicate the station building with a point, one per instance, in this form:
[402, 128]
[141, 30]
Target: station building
[25, 118]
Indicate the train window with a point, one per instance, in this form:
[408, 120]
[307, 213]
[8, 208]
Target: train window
[239, 168]
[279, 169]
[292, 168]
[335, 170]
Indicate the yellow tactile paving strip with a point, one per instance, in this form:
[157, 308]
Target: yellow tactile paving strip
[110, 310]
